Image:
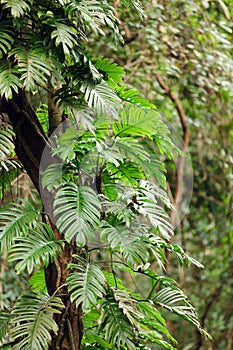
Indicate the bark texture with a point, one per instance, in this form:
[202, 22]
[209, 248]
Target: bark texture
[30, 141]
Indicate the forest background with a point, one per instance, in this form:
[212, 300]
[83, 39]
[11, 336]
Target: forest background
[178, 55]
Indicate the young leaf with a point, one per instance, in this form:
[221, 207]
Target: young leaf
[37, 282]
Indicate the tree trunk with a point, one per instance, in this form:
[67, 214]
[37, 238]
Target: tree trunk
[30, 141]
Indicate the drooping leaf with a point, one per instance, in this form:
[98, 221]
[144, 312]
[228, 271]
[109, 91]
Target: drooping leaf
[6, 39]
[174, 300]
[34, 67]
[64, 35]
[125, 241]
[6, 145]
[9, 81]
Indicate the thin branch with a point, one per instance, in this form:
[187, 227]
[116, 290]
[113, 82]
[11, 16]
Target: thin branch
[128, 35]
[181, 160]
[186, 139]
[176, 102]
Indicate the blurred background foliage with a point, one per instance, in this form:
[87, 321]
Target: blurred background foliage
[180, 58]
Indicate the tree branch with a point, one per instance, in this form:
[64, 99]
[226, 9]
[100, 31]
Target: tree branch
[186, 139]
[176, 102]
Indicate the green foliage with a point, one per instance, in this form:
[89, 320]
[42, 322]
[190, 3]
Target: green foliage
[135, 5]
[4, 321]
[138, 122]
[52, 176]
[17, 9]
[171, 299]
[127, 243]
[101, 98]
[32, 320]
[80, 215]
[9, 81]
[15, 221]
[8, 165]
[6, 144]
[109, 69]
[42, 114]
[38, 248]
[33, 67]
[86, 283]
[116, 325]
[6, 40]
[132, 96]
[37, 281]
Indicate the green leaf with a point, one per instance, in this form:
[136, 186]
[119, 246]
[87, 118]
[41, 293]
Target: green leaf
[9, 81]
[38, 248]
[96, 15]
[125, 241]
[18, 8]
[127, 172]
[174, 300]
[64, 35]
[34, 66]
[115, 324]
[148, 196]
[109, 68]
[77, 210]
[6, 39]
[109, 186]
[16, 220]
[42, 114]
[53, 176]
[131, 96]
[37, 281]
[92, 338]
[138, 122]
[5, 317]
[135, 5]
[6, 143]
[102, 98]
[33, 322]
[86, 284]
